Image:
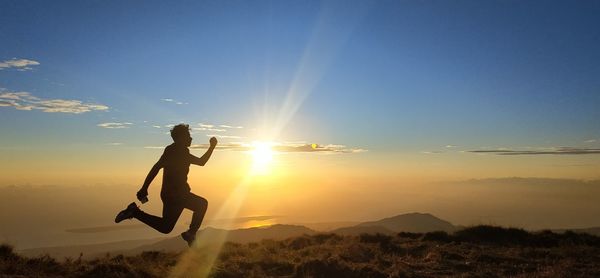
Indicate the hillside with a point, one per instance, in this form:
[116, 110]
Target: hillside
[87, 251]
[412, 222]
[482, 251]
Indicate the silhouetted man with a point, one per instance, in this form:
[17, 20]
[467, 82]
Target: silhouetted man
[175, 193]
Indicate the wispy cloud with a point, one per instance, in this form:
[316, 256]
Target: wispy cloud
[173, 101]
[286, 148]
[26, 101]
[19, 64]
[115, 125]
[316, 148]
[590, 141]
[549, 151]
[206, 125]
[115, 144]
[228, 126]
[224, 136]
[208, 129]
[215, 128]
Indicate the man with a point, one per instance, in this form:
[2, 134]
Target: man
[175, 193]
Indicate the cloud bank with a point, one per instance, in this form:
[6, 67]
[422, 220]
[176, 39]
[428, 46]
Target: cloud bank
[551, 151]
[27, 102]
[286, 148]
[19, 64]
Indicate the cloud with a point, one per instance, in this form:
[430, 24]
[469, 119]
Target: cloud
[590, 141]
[26, 101]
[206, 125]
[115, 144]
[115, 125]
[286, 148]
[173, 101]
[316, 148]
[228, 126]
[549, 151]
[212, 127]
[451, 146]
[224, 136]
[19, 64]
[208, 129]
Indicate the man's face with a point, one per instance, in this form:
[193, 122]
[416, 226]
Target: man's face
[185, 140]
[188, 140]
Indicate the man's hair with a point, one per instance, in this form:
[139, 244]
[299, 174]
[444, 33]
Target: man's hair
[180, 130]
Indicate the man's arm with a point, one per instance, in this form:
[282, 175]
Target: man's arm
[202, 160]
[149, 178]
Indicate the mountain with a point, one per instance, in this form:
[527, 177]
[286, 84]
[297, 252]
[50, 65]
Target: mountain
[592, 230]
[327, 226]
[357, 230]
[87, 251]
[210, 235]
[410, 222]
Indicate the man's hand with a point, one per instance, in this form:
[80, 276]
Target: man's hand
[213, 142]
[142, 195]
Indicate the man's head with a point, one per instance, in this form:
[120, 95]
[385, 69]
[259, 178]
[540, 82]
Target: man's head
[181, 135]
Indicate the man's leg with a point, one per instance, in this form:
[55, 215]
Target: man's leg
[198, 205]
[171, 212]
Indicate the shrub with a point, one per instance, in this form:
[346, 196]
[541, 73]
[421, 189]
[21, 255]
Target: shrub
[494, 235]
[409, 235]
[439, 236]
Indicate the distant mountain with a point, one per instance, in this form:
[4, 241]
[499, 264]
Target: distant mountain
[88, 250]
[592, 230]
[210, 235]
[327, 226]
[357, 230]
[410, 222]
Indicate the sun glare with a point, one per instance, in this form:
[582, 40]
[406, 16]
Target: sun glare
[262, 155]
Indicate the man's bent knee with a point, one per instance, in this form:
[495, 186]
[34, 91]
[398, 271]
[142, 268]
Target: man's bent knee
[167, 228]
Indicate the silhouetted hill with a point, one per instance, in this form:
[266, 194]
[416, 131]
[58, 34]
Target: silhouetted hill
[412, 222]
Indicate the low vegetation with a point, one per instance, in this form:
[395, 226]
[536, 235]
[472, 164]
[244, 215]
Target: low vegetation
[481, 251]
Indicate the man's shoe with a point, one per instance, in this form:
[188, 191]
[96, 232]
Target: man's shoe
[189, 237]
[127, 213]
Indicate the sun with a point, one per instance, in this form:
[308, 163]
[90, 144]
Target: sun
[262, 155]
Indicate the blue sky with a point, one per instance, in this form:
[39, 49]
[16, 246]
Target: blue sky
[379, 75]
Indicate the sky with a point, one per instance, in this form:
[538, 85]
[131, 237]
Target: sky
[360, 101]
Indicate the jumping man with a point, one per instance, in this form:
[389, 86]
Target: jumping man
[175, 193]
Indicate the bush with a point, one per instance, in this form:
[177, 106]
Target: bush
[439, 236]
[494, 235]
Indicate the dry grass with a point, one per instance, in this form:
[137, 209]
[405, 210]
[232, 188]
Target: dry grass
[481, 251]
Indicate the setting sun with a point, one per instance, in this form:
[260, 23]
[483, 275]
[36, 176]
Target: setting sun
[262, 155]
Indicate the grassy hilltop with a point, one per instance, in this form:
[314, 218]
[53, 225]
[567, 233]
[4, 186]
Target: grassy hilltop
[480, 251]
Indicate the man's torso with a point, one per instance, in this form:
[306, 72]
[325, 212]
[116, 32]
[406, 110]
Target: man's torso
[176, 162]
